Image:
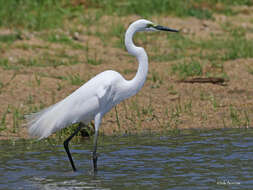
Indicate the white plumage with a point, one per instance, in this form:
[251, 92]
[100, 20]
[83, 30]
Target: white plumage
[96, 97]
[80, 106]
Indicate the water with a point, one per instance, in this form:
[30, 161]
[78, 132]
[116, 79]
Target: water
[214, 159]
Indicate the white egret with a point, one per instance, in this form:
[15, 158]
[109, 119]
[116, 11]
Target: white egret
[96, 97]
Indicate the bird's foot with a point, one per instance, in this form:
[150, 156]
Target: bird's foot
[95, 158]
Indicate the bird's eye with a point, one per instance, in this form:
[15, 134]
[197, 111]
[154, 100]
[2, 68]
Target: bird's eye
[149, 25]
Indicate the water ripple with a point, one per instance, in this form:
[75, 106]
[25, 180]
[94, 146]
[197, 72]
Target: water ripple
[215, 159]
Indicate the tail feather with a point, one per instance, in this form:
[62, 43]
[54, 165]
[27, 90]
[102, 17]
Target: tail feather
[41, 124]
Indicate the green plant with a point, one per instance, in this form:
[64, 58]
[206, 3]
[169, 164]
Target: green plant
[234, 46]
[1, 85]
[117, 117]
[9, 38]
[67, 131]
[250, 70]
[64, 39]
[239, 48]
[3, 120]
[29, 100]
[117, 30]
[93, 61]
[59, 86]
[35, 15]
[128, 71]
[149, 7]
[235, 116]
[214, 102]
[59, 38]
[37, 79]
[188, 107]
[6, 65]
[89, 60]
[75, 79]
[193, 68]
[171, 90]
[174, 117]
[17, 116]
[247, 119]
[181, 44]
[148, 110]
[156, 79]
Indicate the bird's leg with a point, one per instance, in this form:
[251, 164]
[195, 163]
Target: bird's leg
[94, 155]
[66, 145]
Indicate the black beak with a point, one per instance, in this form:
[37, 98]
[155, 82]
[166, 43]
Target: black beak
[158, 27]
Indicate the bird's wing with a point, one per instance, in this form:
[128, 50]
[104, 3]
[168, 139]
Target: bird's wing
[82, 105]
[74, 108]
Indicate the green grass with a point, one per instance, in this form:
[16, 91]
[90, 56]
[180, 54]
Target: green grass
[178, 48]
[17, 116]
[234, 46]
[46, 61]
[75, 79]
[234, 116]
[64, 39]
[117, 117]
[239, 117]
[190, 52]
[171, 90]
[212, 52]
[9, 38]
[26, 46]
[59, 38]
[155, 79]
[146, 8]
[118, 30]
[67, 131]
[239, 48]
[93, 61]
[250, 70]
[35, 15]
[202, 9]
[129, 71]
[48, 14]
[37, 79]
[215, 49]
[174, 116]
[6, 65]
[3, 119]
[235, 2]
[1, 85]
[184, 69]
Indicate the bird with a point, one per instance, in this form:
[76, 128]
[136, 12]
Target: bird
[96, 97]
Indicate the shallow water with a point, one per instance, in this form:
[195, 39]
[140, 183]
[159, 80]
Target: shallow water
[214, 159]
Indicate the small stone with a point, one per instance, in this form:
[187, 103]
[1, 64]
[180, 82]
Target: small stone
[185, 30]
[76, 36]
[244, 25]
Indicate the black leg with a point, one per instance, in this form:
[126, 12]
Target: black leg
[66, 145]
[94, 155]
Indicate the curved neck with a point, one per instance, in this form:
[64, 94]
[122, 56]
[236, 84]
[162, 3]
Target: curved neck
[137, 82]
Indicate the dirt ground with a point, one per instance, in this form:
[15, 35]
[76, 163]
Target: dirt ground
[165, 103]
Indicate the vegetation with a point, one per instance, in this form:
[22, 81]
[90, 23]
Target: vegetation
[45, 14]
[51, 47]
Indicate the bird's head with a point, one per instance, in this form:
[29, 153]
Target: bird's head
[146, 25]
[141, 25]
